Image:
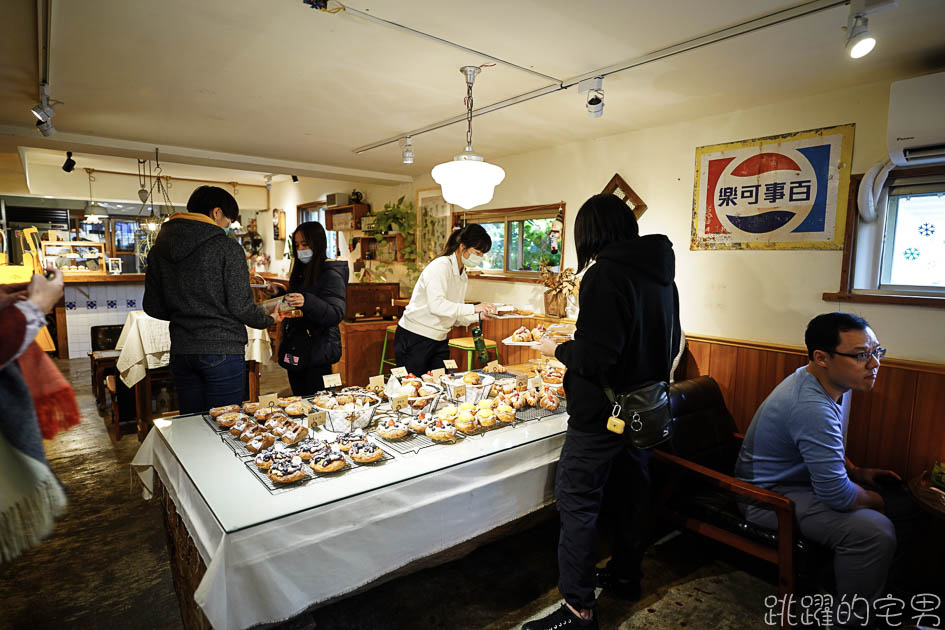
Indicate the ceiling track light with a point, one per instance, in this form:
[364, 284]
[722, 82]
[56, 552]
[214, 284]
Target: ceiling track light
[593, 96]
[44, 111]
[859, 41]
[69, 165]
[468, 180]
[407, 152]
[295, 179]
[268, 182]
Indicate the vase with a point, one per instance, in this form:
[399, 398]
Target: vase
[555, 303]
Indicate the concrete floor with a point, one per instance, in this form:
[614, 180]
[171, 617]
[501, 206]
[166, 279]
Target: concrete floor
[106, 566]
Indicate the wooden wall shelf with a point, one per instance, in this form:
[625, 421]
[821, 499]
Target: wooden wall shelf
[389, 249]
[357, 212]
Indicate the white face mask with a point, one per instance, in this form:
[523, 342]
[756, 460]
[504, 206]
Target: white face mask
[304, 255]
[472, 260]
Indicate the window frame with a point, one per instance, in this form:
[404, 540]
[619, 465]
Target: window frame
[902, 296]
[507, 216]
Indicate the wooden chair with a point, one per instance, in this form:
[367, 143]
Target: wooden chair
[701, 494]
[121, 413]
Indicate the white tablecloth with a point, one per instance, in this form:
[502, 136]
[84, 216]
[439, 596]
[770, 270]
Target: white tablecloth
[271, 556]
[145, 343]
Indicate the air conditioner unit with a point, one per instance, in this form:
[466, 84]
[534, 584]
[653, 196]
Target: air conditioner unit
[916, 128]
[333, 200]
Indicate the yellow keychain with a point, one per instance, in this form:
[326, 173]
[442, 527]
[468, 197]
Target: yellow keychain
[614, 423]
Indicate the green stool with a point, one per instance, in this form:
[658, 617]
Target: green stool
[467, 344]
[391, 330]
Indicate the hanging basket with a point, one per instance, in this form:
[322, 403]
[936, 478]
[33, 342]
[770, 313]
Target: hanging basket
[555, 303]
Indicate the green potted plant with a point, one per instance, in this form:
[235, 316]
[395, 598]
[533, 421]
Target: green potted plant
[400, 216]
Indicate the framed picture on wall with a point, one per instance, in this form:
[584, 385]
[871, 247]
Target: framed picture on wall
[278, 224]
[433, 223]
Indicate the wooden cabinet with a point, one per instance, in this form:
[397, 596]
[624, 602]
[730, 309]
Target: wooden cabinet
[371, 299]
[361, 345]
[76, 258]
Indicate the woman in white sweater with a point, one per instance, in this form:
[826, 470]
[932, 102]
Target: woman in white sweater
[438, 302]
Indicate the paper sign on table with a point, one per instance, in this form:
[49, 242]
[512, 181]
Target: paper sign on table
[521, 380]
[376, 380]
[332, 380]
[437, 373]
[459, 391]
[398, 402]
[268, 400]
[316, 419]
[399, 372]
[493, 366]
[449, 364]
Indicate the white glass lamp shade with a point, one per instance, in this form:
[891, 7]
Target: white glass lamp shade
[466, 181]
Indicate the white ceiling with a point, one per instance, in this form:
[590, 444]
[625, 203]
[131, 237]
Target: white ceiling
[278, 87]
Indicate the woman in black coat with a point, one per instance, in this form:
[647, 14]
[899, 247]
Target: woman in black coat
[627, 334]
[318, 287]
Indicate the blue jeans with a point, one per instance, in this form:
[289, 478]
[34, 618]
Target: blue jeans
[208, 380]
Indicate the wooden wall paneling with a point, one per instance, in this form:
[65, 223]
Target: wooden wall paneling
[751, 388]
[890, 425]
[722, 362]
[858, 428]
[928, 429]
[696, 358]
[778, 366]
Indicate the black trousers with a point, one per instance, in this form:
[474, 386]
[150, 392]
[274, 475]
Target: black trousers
[307, 382]
[588, 461]
[417, 353]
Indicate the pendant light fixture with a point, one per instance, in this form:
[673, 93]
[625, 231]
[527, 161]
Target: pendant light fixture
[468, 180]
[92, 214]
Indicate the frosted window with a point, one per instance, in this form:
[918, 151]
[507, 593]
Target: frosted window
[914, 244]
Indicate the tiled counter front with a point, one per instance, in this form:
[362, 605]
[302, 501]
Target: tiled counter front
[96, 304]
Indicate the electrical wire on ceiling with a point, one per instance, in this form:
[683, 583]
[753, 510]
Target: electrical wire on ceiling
[743, 28]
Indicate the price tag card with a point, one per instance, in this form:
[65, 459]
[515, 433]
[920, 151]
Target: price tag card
[521, 380]
[398, 402]
[316, 419]
[332, 380]
[437, 373]
[493, 366]
[399, 372]
[459, 391]
[268, 400]
[376, 380]
[449, 364]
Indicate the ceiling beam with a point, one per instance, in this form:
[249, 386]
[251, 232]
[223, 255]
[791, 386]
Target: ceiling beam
[14, 136]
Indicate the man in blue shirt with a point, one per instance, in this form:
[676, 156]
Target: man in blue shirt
[795, 446]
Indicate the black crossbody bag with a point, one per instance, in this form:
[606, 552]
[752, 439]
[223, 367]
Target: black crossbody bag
[644, 410]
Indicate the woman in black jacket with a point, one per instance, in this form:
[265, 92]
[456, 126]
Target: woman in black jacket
[318, 287]
[627, 333]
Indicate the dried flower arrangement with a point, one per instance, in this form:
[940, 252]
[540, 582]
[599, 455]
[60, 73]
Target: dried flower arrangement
[560, 285]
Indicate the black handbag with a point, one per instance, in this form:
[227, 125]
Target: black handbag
[295, 347]
[644, 410]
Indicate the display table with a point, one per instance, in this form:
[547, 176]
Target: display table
[269, 556]
[145, 345]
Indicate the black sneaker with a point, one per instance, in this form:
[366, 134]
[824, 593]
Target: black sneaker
[624, 588]
[562, 618]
